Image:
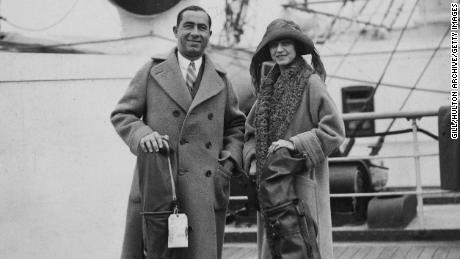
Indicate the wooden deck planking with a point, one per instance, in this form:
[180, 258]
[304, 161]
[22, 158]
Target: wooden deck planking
[414, 252]
[362, 253]
[427, 253]
[375, 252]
[338, 250]
[365, 251]
[348, 253]
[401, 252]
[387, 252]
[441, 253]
[454, 253]
[239, 253]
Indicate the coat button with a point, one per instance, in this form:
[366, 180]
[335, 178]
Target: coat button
[210, 116]
[208, 145]
[183, 141]
[182, 171]
[208, 173]
[176, 113]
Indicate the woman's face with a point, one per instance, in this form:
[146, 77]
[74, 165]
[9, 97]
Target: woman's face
[282, 51]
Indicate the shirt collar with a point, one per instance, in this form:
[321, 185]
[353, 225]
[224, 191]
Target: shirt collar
[184, 63]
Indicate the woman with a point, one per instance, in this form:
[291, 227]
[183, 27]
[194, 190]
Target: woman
[294, 111]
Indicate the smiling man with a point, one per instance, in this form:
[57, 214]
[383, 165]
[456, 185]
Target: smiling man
[187, 105]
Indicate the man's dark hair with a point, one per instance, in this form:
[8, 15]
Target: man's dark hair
[192, 8]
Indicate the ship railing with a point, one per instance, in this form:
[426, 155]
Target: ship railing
[413, 117]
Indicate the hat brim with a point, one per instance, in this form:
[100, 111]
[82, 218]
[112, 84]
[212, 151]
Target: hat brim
[304, 45]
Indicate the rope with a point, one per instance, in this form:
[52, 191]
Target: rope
[381, 139]
[334, 20]
[396, 132]
[384, 52]
[391, 85]
[352, 46]
[387, 11]
[332, 15]
[392, 54]
[353, 22]
[398, 13]
[65, 80]
[43, 28]
[428, 63]
[379, 82]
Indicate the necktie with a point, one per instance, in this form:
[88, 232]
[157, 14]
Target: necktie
[191, 76]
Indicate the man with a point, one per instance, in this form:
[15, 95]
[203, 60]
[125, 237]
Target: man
[192, 109]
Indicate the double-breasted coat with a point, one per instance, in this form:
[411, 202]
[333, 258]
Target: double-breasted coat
[316, 130]
[203, 131]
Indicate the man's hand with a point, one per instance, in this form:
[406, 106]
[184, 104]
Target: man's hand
[228, 164]
[279, 144]
[154, 142]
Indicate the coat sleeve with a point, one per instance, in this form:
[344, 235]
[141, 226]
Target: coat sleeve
[328, 133]
[249, 149]
[233, 129]
[128, 113]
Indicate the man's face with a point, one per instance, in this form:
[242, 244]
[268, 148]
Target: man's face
[192, 34]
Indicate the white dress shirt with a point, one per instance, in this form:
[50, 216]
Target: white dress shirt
[184, 63]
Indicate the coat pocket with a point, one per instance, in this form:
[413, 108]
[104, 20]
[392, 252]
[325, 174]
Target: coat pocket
[221, 188]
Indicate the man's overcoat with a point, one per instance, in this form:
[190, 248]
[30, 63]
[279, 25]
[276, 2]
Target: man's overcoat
[316, 130]
[203, 132]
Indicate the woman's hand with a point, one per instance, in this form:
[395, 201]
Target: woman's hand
[279, 144]
[252, 168]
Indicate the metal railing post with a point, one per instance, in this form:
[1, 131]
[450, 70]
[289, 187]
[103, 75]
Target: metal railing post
[418, 175]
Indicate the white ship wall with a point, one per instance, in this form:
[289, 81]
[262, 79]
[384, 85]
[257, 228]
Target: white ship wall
[64, 173]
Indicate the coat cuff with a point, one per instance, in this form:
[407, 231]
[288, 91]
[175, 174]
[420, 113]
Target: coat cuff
[136, 138]
[236, 160]
[308, 144]
[249, 153]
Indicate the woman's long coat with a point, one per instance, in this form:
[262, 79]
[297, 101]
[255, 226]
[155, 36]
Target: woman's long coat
[202, 131]
[316, 130]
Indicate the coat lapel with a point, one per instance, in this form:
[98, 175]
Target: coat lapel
[169, 77]
[210, 85]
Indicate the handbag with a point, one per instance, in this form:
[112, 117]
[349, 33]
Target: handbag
[159, 202]
[291, 231]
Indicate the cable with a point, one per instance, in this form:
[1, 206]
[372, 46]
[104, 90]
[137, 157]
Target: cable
[65, 80]
[391, 85]
[398, 13]
[218, 47]
[428, 63]
[392, 54]
[383, 52]
[352, 46]
[397, 132]
[366, 104]
[380, 141]
[89, 42]
[334, 20]
[387, 11]
[353, 22]
[332, 1]
[332, 15]
[43, 28]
